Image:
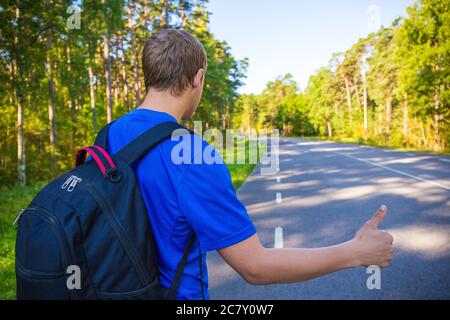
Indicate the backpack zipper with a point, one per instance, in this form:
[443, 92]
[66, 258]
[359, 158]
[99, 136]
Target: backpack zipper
[50, 219]
[16, 221]
[121, 234]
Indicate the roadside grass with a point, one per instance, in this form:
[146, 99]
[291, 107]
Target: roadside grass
[240, 172]
[372, 144]
[14, 198]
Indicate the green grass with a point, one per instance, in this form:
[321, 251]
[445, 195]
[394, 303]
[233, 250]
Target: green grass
[14, 198]
[240, 172]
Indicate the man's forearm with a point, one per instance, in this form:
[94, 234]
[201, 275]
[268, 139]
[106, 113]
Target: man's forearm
[258, 265]
[293, 265]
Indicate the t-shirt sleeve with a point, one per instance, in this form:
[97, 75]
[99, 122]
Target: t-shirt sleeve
[210, 204]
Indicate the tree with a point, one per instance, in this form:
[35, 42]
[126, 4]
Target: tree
[382, 76]
[60, 85]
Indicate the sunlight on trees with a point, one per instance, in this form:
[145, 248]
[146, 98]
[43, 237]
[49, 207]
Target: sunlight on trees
[61, 84]
[403, 102]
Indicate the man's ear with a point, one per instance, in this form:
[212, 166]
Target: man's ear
[198, 79]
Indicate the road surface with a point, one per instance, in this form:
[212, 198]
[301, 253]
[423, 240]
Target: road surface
[323, 193]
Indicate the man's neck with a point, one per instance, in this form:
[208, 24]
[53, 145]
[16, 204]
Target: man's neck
[163, 101]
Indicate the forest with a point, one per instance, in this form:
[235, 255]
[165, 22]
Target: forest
[69, 67]
[391, 88]
[63, 79]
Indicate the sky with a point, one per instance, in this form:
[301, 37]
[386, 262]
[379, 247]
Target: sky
[295, 36]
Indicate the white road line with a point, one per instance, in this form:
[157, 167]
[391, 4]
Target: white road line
[411, 155]
[278, 197]
[445, 160]
[278, 179]
[278, 243]
[396, 171]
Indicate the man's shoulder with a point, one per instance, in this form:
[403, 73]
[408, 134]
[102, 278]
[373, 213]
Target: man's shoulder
[183, 147]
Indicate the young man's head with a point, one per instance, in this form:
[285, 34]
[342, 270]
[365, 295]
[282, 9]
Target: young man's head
[174, 62]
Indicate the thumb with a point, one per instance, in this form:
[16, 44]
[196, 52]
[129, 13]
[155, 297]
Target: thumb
[378, 217]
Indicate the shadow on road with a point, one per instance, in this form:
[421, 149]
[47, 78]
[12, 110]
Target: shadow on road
[326, 198]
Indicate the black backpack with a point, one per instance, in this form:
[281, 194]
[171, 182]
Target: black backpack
[86, 235]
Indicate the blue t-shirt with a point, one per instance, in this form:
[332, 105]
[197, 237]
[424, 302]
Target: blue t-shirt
[181, 198]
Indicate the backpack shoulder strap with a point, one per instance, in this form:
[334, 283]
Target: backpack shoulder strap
[102, 137]
[134, 151]
[139, 147]
[173, 290]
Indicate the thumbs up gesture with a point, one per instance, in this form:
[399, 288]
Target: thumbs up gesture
[374, 246]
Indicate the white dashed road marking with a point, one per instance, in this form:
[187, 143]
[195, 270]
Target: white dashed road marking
[278, 243]
[396, 171]
[278, 197]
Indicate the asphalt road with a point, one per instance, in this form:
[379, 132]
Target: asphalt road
[328, 190]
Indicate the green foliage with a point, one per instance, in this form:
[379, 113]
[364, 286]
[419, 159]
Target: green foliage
[407, 69]
[281, 106]
[38, 48]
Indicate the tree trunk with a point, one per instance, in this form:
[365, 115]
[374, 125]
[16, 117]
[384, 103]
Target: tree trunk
[21, 163]
[134, 52]
[356, 88]
[365, 111]
[116, 71]
[136, 77]
[380, 120]
[437, 140]
[422, 131]
[51, 101]
[388, 117]
[73, 106]
[16, 75]
[349, 102]
[124, 76]
[107, 60]
[405, 120]
[329, 128]
[92, 88]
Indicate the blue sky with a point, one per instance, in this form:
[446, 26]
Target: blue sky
[295, 36]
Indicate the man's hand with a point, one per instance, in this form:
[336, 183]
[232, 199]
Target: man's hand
[374, 246]
[259, 265]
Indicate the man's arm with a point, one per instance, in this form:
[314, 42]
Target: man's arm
[259, 265]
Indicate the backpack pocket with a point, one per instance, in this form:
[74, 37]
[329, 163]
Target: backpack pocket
[152, 292]
[42, 256]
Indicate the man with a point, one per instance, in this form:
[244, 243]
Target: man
[187, 197]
